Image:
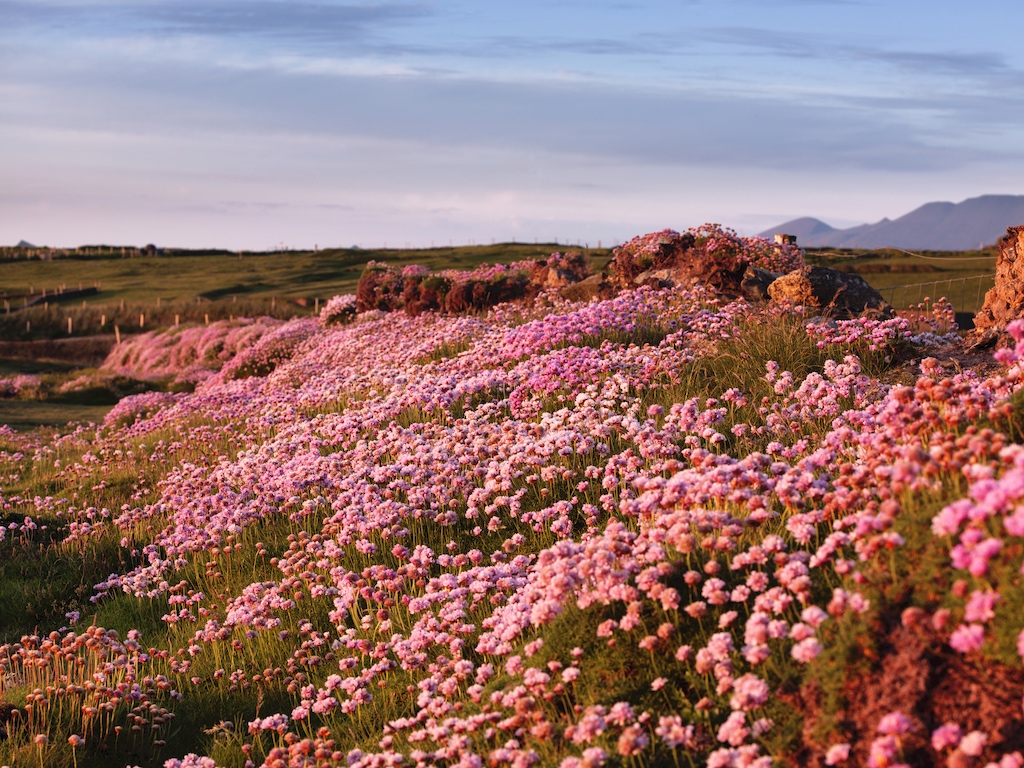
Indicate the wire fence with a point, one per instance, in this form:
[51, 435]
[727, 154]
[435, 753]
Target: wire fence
[966, 294]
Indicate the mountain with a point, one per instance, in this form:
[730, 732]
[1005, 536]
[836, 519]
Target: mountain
[973, 223]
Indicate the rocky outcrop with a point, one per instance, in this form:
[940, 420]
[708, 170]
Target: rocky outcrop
[1005, 302]
[416, 289]
[669, 258]
[829, 291]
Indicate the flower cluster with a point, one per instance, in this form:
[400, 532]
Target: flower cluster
[527, 537]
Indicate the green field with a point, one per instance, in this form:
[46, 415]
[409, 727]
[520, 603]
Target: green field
[151, 291]
[186, 275]
[904, 279]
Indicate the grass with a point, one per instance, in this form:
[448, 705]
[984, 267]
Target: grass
[28, 414]
[961, 276]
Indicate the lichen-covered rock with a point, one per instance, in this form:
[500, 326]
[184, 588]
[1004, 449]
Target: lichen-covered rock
[1005, 302]
[835, 293]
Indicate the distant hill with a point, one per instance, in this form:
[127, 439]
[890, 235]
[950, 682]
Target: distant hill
[973, 223]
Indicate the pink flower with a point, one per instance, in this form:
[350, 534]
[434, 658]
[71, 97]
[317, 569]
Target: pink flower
[749, 691]
[633, 740]
[884, 752]
[837, 753]
[673, 733]
[973, 744]
[967, 638]
[945, 736]
[734, 730]
[895, 723]
[980, 606]
[806, 650]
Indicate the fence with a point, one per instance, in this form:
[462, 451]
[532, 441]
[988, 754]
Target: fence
[966, 294]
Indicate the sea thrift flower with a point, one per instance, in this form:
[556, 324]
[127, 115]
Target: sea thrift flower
[895, 723]
[806, 650]
[973, 744]
[946, 736]
[633, 741]
[967, 638]
[837, 753]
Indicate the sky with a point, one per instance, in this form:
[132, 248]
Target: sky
[230, 124]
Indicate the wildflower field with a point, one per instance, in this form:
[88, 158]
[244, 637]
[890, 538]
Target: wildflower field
[667, 528]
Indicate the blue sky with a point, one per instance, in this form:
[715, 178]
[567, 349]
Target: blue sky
[249, 124]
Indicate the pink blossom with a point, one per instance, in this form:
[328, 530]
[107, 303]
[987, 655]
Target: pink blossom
[967, 638]
[837, 753]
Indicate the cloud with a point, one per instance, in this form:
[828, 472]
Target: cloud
[681, 127]
[833, 47]
[291, 21]
[934, 64]
[300, 23]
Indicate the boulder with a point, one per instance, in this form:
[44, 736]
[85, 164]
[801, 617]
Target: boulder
[837, 294]
[558, 278]
[584, 290]
[756, 282]
[1005, 302]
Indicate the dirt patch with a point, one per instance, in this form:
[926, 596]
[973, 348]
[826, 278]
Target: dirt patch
[918, 674]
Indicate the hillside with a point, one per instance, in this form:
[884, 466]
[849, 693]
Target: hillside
[973, 223]
[663, 528]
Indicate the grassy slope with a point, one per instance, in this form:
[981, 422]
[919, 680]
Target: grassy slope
[42, 580]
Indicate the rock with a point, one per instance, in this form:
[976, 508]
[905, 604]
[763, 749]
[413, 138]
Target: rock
[558, 278]
[840, 294]
[1005, 302]
[656, 278]
[656, 250]
[668, 258]
[756, 282]
[584, 290]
